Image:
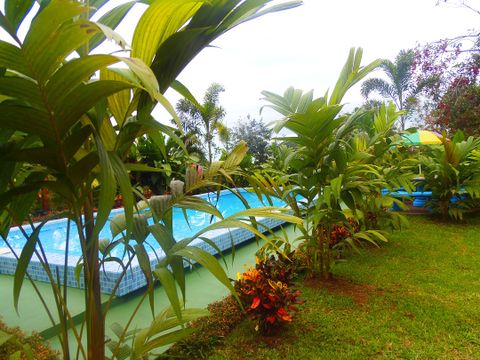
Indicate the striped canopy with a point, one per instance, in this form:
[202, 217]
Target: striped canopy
[422, 137]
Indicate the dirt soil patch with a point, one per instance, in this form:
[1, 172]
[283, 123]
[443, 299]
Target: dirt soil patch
[358, 292]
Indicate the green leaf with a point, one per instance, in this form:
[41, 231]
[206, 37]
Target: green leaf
[23, 261]
[75, 140]
[182, 90]
[30, 121]
[8, 27]
[351, 74]
[167, 106]
[336, 185]
[142, 168]
[108, 188]
[17, 10]
[53, 26]
[82, 169]
[166, 241]
[111, 19]
[163, 236]
[123, 180]
[119, 102]
[168, 283]
[162, 19]
[268, 212]
[170, 321]
[4, 337]
[86, 96]
[11, 57]
[118, 224]
[22, 89]
[74, 72]
[209, 262]
[146, 76]
[198, 204]
[163, 340]
[144, 263]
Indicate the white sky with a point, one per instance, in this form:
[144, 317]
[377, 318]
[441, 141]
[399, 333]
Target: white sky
[307, 46]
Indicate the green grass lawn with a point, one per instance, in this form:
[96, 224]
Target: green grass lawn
[416, 297]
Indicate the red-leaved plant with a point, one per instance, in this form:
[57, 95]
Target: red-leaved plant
[267, 294]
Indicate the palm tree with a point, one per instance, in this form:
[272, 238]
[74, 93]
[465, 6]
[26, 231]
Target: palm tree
[205, 119]
[399, 87]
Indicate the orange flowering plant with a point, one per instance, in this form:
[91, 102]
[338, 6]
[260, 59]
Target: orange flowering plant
[267, 293]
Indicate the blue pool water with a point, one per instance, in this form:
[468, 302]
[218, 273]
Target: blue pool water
[53, 234]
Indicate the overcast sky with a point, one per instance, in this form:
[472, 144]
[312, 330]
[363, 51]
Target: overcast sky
[306, 47]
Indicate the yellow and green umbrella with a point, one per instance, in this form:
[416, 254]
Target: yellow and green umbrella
[422, 137]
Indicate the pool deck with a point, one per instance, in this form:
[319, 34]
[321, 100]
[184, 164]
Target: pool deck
[202, 289]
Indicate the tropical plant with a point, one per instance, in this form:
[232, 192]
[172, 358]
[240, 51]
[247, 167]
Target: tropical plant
[458, 109]
[209, 331]
[15, 344]
[327, 176]
[452, 173]
[374, 137]
[57, 132]
[169, 271]
[399, 88]
[257, 136]
[163, 154]
[267, 294]
[281, 153]
[203, 119]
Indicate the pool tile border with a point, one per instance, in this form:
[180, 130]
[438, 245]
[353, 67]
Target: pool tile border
[134, 278]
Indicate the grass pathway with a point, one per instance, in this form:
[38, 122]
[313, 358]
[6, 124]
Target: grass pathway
[418, 297]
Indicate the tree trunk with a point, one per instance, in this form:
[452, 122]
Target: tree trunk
[208, 137]
[402, 117]
[324, 252]
[93, 313]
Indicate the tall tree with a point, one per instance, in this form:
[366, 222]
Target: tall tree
[257, 136]
[204, 119]
[399, 87]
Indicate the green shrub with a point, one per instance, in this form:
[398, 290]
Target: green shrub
[267, 294]
[14, 341]
[209, 331]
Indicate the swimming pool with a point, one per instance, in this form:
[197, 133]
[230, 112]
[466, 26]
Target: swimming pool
[53, 238]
